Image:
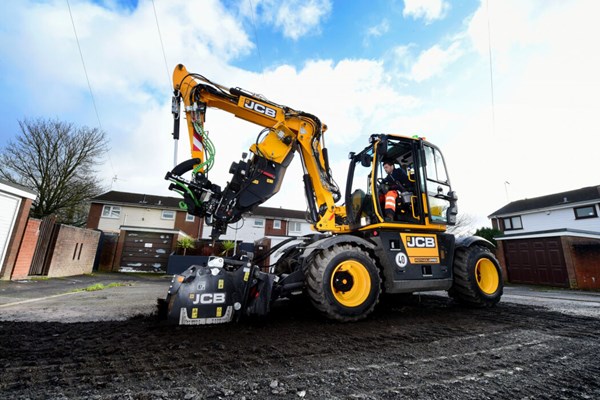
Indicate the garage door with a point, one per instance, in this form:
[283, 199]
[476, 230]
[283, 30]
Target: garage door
[536, 261]
[9, 206]
[146, 251]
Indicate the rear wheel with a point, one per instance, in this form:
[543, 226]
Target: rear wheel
[343, 283]
[477, 277]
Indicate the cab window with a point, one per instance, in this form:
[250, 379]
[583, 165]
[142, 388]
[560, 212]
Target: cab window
[438, 187]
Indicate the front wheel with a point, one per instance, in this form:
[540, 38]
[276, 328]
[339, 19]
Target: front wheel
[343, 283]
[477, 277]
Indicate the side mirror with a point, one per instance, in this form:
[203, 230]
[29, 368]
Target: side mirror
[365, 160]
[452, 210]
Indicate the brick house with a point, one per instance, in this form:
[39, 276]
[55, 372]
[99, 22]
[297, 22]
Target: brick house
[139, 230]
[551, 240]
[142, 230]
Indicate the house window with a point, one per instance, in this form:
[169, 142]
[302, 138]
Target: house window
[585, 212]
[189, 218]
[277, 224]
[168, 214]
[295, 226]
[512, 223]
[111, 212]
[259, 223]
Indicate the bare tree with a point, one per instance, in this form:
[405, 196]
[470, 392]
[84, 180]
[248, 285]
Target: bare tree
[465, 225]
[58, 160]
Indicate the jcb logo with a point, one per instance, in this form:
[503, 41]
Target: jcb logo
[420, 242]
[260, 108]
[209, 298]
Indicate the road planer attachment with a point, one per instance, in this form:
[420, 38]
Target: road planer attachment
[222, 290]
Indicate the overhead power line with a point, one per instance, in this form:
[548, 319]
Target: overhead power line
[88, 83]
[252, 19]
[162, 46]
[84, 68]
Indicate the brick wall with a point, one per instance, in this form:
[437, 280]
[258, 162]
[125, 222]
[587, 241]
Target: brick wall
[193, 229]
[27, 249]
[12, 250]
[584, 256]
[74, 252]
[94, 216]
[271, 231]
[500, 256]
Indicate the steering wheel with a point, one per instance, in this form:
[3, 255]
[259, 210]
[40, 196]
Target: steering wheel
[383, 187]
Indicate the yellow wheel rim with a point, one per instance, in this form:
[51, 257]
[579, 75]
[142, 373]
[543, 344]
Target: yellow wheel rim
[487, 276]
[350, 283]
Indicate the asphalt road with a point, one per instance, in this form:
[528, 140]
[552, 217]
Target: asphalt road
[67, 300]
[63, 300]
[535, 344]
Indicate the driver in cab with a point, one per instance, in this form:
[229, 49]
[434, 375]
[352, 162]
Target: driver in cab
[396, 181]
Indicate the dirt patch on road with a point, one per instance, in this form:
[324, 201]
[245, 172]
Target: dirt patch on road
[408, 349]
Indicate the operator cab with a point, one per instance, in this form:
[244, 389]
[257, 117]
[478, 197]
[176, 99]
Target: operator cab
[418, 193]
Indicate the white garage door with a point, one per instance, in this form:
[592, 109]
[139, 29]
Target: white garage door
[9, 206]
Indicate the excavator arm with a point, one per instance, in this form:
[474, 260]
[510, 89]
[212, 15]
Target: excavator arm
[259, 177]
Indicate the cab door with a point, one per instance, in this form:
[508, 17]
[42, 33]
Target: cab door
[441, 200]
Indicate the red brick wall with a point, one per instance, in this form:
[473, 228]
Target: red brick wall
[14, 244]
[495, 223]
[193, 229]
[584, 256]
[27, 249]
[74, 252]
[94, 216]
[500, 255]
[270, 231]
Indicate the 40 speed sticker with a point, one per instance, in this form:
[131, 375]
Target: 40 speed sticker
[401, 260]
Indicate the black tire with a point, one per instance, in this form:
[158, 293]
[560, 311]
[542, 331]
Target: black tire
[477, 277]
[343, 283]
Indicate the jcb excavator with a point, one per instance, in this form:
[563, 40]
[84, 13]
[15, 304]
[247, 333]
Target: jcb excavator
[359, 250]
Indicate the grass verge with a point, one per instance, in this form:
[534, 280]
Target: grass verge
[99, 286]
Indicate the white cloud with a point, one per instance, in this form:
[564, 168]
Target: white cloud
[294, 18]
[434, 61]
[429, 10]
[376, 31]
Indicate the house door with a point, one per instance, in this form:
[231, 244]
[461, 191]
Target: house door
[538, 261]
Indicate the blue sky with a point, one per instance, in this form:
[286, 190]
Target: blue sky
[352, 30]
[398, 66]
